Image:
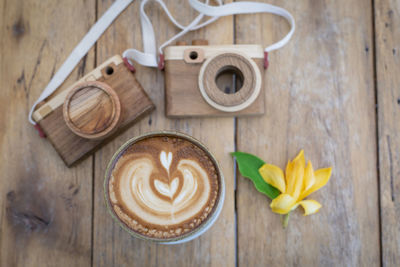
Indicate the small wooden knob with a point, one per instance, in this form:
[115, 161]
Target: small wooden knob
[181, 43]
[92, 110]
[199, 42]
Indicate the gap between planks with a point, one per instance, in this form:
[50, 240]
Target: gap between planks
[375, 84]
[96, 17]
[235, 169]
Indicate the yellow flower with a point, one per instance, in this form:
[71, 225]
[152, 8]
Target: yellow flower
[300, 181]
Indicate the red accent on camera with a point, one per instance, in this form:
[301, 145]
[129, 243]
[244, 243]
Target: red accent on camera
[40, 131]
[266, 62]
[161, 62]
[129, 65]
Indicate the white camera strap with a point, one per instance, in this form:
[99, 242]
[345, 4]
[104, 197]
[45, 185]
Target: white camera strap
[149, 56]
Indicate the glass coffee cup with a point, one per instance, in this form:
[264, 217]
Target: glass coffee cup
[164, 187]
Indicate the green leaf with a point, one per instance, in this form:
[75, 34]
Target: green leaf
[248, 167]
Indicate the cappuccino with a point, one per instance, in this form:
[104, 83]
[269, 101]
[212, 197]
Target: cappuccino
[163, 186]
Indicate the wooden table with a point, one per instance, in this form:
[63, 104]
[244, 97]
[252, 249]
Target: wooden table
[334, 90]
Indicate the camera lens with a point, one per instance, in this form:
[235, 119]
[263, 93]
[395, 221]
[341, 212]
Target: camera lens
[229, 79]
[193, 55]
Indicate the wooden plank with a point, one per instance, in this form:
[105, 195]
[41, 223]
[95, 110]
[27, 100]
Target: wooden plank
[320, 97]
[387, 41]
[113, 246]
[45, 208]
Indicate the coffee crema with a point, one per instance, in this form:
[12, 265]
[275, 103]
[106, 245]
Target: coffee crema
[163, 186]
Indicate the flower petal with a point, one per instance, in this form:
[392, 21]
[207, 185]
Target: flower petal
[297, 174]
[309, 178]
[299, 178]
[321, 178]
[283, 204]
[300, 157]
[289, 175]
[294, 171]
[273, 175]
[310, 206]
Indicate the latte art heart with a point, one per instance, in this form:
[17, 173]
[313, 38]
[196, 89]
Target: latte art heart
[165, 189]
[163, 192]
[161, 202]
[166, 159]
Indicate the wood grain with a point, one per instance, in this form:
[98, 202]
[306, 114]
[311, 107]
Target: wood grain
[45, 216]
[114, 247]
[387, 42]
[92, 110]
[320, 97]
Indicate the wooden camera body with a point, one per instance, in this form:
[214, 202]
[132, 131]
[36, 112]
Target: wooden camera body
[79, 119]
[223, 80]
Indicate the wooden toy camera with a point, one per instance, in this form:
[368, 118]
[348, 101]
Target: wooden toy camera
[79, 119]
[202, 80]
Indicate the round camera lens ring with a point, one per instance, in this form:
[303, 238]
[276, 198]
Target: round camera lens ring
[235, 108]
[114, 117]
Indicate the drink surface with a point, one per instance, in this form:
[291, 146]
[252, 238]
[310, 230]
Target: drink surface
[163, 186]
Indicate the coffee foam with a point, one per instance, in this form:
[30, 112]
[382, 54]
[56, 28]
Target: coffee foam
[163, 186]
